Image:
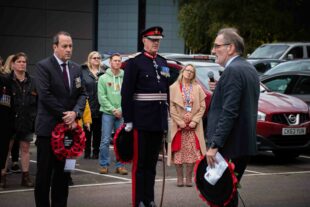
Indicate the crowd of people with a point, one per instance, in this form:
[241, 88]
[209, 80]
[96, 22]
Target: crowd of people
[138, 96]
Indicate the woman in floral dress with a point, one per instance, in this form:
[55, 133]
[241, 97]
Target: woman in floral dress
[187, 106]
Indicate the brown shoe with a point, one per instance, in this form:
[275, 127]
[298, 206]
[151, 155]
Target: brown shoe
[104, 170]
[26, 181]
[121, 170]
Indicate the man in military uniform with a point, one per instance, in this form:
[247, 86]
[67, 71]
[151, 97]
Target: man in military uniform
[144, 105]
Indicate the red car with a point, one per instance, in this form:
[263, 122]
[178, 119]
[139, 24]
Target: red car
[283, 121]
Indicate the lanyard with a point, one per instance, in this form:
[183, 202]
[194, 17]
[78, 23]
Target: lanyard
[187, 94]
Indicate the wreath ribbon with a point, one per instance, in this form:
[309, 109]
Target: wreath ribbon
[57, 141]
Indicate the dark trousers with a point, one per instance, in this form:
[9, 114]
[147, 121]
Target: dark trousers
[146, 151]
[50, 174]
[93, 137]
[15, 151]
[240, 166]
[4, 146]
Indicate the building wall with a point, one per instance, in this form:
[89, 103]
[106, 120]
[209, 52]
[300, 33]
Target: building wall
[29, 26]
[118, 25]
[164, 13]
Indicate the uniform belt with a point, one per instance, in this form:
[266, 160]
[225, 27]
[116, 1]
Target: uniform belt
[150, 97]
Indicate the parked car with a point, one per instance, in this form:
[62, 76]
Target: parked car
[292, 83]
[283, 124]
[294, 65]
[263, 65]
[282, 51]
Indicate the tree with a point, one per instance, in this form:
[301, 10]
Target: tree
[257, 21]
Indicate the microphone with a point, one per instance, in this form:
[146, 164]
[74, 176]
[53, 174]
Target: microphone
[211, 76]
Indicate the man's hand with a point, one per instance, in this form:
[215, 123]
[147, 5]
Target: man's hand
[69, 117]
[212, 85]
[211, 156]
[117, 113]
[87, 126]
[128, 127]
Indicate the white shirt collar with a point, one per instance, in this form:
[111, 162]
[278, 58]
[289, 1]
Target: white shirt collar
[59, 61]
[230, 60]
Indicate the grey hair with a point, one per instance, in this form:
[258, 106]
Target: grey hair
[231, 36]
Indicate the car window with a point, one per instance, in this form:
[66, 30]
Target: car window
[302, 86]
[269, 51]
[296, 52]
[308, 51]
[279, 84]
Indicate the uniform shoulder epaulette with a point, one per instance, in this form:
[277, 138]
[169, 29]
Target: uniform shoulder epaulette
[134, 55]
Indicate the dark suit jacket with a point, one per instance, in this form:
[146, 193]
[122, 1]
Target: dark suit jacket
[53, 97]
[232, 115]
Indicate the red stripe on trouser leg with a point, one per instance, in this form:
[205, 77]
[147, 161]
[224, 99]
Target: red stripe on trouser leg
[134, 166]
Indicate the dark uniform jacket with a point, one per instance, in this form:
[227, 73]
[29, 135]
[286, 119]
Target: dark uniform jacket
[6, 119]
[91, 86]
[25, 103]
[232, 114]
[140, 77]
[53, 96]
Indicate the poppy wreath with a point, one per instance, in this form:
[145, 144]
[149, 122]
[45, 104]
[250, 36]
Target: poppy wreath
[224, 190]
[57, 141]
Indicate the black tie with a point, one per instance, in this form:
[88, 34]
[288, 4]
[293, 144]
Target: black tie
[65, 75]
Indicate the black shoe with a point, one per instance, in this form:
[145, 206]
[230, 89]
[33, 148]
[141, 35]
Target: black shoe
[70, 181]
[95, 156]
[15, 168]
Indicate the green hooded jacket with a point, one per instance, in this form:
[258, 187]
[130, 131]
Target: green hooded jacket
[109, 91]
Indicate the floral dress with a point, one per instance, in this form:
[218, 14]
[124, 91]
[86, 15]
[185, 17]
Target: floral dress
[189, 153]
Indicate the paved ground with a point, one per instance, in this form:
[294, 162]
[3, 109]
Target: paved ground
[268, 182]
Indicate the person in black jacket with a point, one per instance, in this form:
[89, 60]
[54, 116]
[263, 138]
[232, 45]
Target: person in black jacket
[6, 124]
[25, 100]
[91, 72]
[232, 116]
[61, 99]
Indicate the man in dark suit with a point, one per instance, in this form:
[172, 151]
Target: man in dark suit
[232, 117]
[61, 98]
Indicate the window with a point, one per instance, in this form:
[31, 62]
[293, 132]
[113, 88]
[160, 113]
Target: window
[308, 51]
[279, 84]
[303, 86]
[297, 53]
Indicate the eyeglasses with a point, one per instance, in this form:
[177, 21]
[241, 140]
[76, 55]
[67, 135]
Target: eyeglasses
[96, 58]
[216, 46]
[190, 71]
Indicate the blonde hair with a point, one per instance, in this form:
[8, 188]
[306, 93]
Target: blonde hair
[90, 56]
[7, 68]
[180, 77]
